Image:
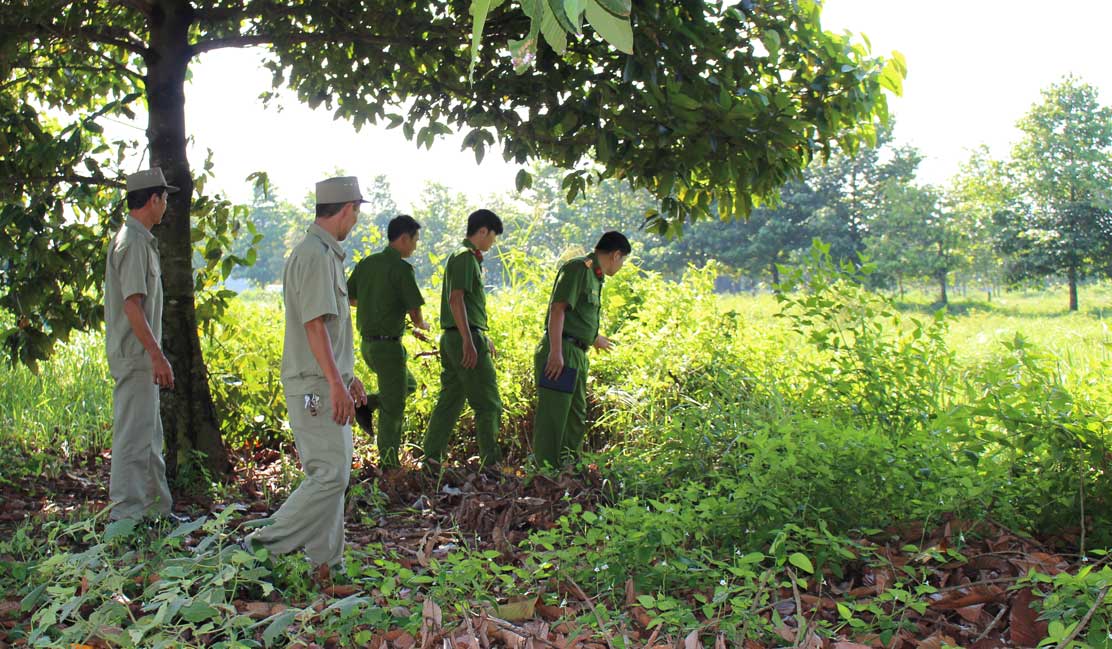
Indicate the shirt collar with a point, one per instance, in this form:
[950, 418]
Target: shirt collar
[596, 268]
[327, 239]
[390, 250]
[137, 225]
[474, 251]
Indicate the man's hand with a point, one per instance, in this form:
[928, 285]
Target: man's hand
[555, 365]
[163, 373]
[358, 392]
[470, 355]
[602, 342]
[343, 406]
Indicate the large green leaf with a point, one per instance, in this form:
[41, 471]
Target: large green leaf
[620, 8]
[479, 11]
[615, 30]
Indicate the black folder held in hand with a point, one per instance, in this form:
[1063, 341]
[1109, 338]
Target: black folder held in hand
[563, 383]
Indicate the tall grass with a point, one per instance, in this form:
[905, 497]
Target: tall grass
[66, 405]
[727, 394]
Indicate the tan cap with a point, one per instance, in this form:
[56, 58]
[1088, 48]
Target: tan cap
[148, 178]
[342, 189]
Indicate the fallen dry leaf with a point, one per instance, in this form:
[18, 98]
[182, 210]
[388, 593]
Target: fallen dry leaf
[692, 641]
[1025, 629]
[972, 613]
[517, 610]
[936, 641]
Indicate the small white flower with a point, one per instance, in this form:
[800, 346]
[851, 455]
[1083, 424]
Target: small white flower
[721, 582]
[605, 566]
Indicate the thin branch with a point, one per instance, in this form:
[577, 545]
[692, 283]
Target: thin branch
[65, 178]
[120, 39]
[251, 40]
[116, 65]
[141, 6]
[15, 81]
[218, 15]
[1084, 621]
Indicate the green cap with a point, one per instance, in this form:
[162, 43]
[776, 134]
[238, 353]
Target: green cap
[342, 189]
[148, 178]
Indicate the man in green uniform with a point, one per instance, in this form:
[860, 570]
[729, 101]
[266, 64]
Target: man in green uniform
[133, 337]
[572, 328]
[467, 371]
[318, 378]
[383, 289]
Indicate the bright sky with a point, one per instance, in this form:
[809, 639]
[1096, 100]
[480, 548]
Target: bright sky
[975, 67]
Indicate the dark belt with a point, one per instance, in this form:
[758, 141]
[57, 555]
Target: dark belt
[474, 330]
[380, 338]
[577, 342]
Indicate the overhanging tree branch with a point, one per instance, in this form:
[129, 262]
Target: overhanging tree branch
[74, 178]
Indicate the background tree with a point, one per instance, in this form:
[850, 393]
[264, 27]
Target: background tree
[274, 223]
[721, 104]
[1063, 165]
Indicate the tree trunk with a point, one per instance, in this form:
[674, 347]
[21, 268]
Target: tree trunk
[188, 415]
[1073, 288]
[900, 283]
[943, 298]
[775, 274]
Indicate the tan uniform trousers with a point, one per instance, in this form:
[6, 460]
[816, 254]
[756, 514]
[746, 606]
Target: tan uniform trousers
[312, 518]
[137, 483]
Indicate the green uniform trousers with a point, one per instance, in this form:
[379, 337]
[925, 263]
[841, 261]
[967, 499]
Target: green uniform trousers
[478, 386]
[386, 358]
[137, 483]
[312, 517]
[561, 418]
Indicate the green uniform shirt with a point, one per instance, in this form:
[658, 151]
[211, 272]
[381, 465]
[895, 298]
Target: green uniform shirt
[385, 289]
[581, 288]
[133, 269]
[313, 285]
[463, 272]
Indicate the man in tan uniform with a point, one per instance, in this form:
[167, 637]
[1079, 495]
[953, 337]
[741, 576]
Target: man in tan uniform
[133, 337]
[318, 377]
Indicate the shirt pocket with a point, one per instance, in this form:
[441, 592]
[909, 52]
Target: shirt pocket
[341, 286]
[154, 267]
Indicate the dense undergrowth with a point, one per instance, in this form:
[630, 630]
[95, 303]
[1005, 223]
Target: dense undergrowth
[743, 441]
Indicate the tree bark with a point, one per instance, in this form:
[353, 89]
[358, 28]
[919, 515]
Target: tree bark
[1073, 288]
[188, 414]
[775, 274]
[943, 298]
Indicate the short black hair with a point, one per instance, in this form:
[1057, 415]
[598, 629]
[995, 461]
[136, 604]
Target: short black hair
[138, 198]
[325, 210]
[483, 218]
[401, 224]
[614, 240]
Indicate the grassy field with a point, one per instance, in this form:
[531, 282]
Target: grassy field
[738, 444]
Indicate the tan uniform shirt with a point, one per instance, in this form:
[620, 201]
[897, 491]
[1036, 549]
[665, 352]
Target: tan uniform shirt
[313, 286]
[133, 269]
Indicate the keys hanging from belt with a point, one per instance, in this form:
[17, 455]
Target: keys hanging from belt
[312, 402]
